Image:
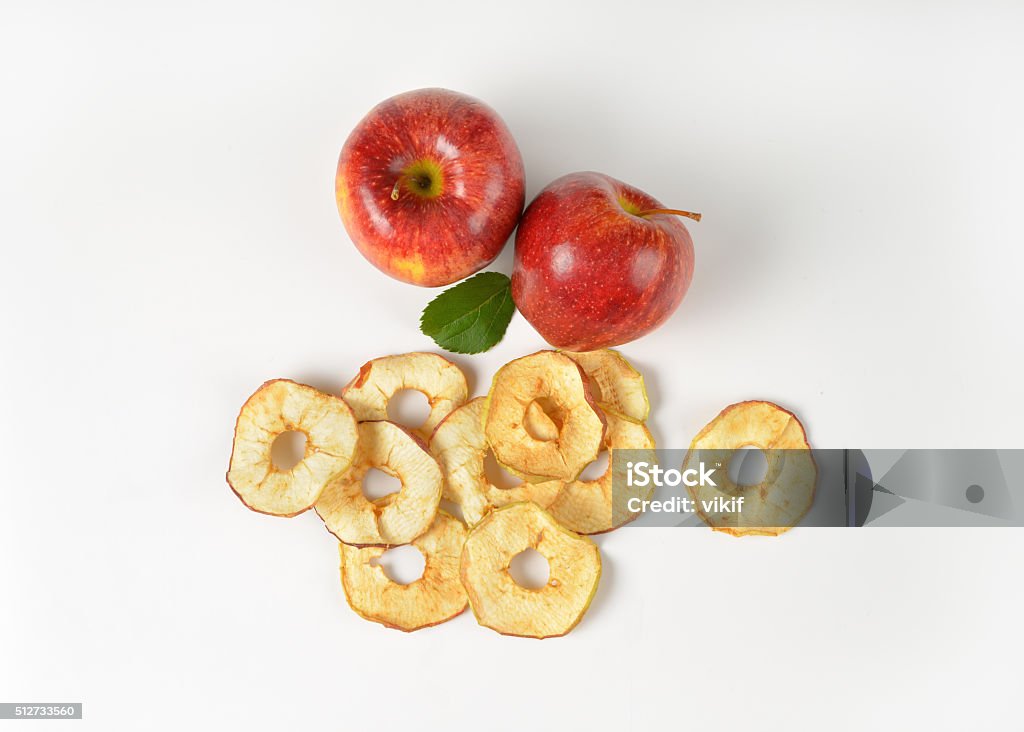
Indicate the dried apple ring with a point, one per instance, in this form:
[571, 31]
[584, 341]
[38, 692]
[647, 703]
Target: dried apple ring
[432, 599]
[437, 378]
[541, 426]
[281, 406]
[618, 384]
[458, 444]
[778, 502]
[591, 506]
[500, 603]
[556, 378]
[394, 519]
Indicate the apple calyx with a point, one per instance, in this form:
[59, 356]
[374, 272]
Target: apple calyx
[673, 211]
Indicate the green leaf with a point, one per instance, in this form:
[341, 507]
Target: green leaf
[472, 316]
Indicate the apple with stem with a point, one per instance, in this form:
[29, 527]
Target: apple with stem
[430, 185]
[599, 263]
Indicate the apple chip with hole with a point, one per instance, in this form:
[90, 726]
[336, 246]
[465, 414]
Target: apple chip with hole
[558, 385]
[459, 445]
[437, 378]
[281, 406]
[615, 382]
[778, 502]
[543, 428]
[437, 596]
[397, 518]
[501, 604]
[592, 506]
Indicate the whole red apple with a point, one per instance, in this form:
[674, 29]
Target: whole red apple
[430, 185]
[599, 263]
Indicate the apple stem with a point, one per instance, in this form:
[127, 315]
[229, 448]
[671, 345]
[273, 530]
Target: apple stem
[420, 181]
[674, 211]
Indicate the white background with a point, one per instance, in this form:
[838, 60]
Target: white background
[170, 241]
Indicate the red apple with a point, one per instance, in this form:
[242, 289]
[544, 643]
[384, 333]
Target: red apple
[430, 185]
[599, 263]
